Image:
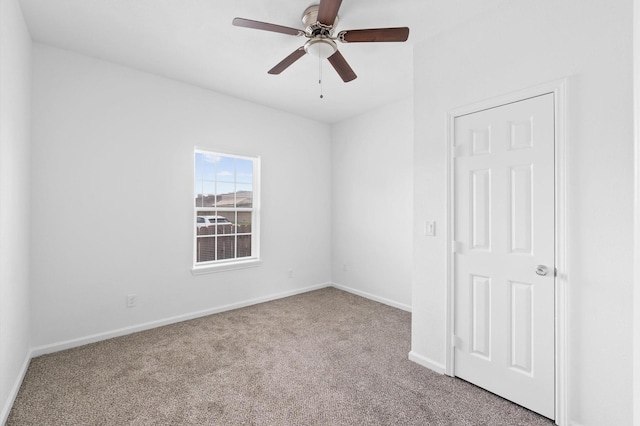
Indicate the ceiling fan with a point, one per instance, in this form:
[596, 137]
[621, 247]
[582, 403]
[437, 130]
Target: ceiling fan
[320, 21]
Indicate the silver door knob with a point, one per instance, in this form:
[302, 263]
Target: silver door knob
[542, 270]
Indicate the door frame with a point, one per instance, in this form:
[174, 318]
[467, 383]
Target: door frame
[559, 90]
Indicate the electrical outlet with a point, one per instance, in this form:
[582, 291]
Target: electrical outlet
[290, 273]
[344, 267]
[132, 300]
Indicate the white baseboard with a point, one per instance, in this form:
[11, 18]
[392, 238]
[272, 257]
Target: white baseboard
[426, 362]
[373, 297]
[8, 404]
[72, 343]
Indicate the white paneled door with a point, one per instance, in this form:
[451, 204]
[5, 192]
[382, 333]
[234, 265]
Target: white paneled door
[504, 251]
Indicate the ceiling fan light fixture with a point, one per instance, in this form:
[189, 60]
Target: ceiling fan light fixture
[320, 47]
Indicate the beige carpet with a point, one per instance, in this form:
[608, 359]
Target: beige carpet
[322, 358]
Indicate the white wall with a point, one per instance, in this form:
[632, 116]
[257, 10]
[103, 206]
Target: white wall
[636, 293]
[15, 90]
[371, 204]
[519, 45]
[112, 196]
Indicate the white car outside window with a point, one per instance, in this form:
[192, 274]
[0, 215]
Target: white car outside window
[204, 221]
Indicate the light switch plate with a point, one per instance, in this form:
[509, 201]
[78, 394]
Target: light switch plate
[430, 228]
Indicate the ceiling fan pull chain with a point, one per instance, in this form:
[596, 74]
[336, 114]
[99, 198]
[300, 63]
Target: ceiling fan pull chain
[320, 75]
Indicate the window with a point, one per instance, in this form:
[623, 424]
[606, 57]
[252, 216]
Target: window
[225, 211]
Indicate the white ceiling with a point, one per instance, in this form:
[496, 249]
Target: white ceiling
[193, 41]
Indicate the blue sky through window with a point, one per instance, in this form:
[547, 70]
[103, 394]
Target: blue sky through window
[218, 174]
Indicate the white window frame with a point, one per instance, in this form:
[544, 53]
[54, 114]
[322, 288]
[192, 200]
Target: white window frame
[235, 263]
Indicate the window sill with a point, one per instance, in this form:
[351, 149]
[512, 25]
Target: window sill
[230, 266]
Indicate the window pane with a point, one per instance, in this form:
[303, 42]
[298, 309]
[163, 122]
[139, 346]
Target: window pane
[215, 223]
[197, 189]
[205, 230]
[205, 166]
[244, 171]
[205, 249]
[244, 223]
[226, 194]
[204, 224]
[244, 245]
[226, 169]
[207, 197]
[226, 247]
[244, 196]
[226, 222]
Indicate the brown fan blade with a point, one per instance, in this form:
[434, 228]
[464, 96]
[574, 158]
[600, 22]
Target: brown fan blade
[374, 35]
[286, 62]
[342, 67]
[257, 25]
[328, 10]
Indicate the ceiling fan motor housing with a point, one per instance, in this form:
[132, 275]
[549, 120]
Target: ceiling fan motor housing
[311, 24]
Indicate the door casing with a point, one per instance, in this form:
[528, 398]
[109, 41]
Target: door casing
[559, 89]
